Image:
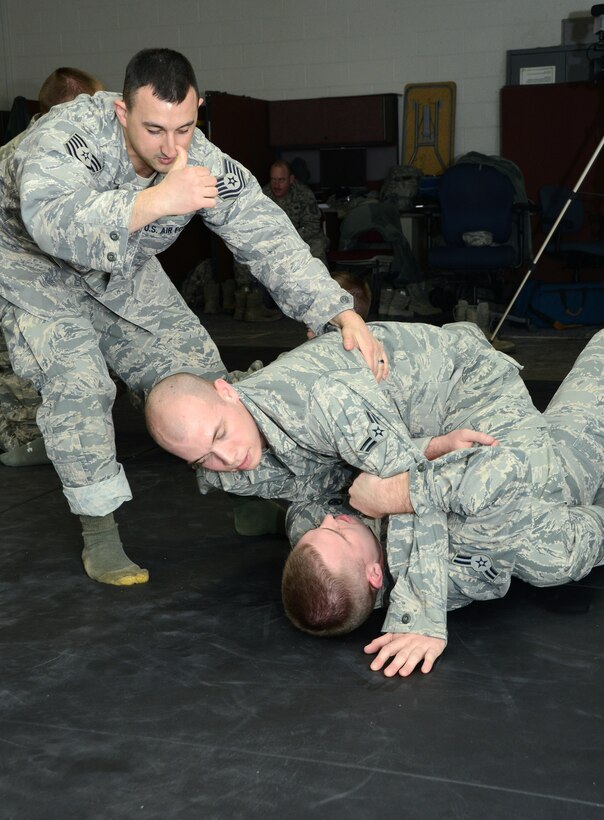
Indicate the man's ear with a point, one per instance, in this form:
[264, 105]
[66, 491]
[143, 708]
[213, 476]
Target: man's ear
[121, 111]
[226, 391]
[375, 575]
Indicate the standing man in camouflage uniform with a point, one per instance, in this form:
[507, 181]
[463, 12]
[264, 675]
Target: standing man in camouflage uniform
[92, 195]
[300, 205]
[20, 437]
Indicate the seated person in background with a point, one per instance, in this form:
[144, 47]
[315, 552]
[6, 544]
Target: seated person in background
[300, 205]
[405, 294]
[499, 527]
[20, 437]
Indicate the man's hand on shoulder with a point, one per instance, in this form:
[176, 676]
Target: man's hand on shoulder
[356, 334]
[404, 651]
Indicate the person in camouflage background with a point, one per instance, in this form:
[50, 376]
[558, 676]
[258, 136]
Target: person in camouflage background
[98, 188]
[19, 403]
[303, 426]
[20, 437]
[299, 203]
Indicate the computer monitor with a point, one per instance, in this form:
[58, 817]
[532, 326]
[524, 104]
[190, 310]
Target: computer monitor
[343, 167]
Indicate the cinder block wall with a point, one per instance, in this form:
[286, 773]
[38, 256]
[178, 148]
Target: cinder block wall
[286, 49]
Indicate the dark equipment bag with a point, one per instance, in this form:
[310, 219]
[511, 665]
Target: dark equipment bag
[561, 304]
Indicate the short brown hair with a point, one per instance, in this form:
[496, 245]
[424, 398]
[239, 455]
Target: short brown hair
[64, 84]
[357, 287]
[318, 602]
[168, 72]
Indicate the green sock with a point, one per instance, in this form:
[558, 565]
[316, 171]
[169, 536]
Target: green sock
[26, 455]
[103, 555]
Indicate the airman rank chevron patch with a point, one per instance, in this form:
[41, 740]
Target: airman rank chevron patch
[479, 563]
[376, 433]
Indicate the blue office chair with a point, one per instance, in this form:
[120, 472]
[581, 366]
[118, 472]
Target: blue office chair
[481, 228]
[578, 254]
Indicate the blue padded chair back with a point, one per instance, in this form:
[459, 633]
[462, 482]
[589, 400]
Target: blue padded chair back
[475, 197]
[552, 199]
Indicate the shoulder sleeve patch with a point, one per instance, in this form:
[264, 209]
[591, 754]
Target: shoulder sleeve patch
[232, 181]
[376, 432]
[77, 147]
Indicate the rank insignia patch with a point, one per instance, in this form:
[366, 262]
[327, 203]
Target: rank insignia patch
[231, 183]
[375, 434]
[479, 563]
[77, 147]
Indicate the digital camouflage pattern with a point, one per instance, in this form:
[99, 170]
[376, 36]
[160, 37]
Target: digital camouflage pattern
[19, 402]
[77, 289]
[300, 205]
[324, 418]
[511, 508]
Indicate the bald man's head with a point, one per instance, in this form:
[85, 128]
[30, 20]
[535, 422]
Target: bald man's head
[204, 423]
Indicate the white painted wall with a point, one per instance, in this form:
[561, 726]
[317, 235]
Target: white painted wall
[288, 49]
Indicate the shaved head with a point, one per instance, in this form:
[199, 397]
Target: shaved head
[204, 423]
[171, 406]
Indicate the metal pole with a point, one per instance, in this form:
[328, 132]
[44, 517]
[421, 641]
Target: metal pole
[548, 237]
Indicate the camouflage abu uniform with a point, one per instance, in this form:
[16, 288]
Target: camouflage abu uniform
[323, 419]
[77, 290]
[509, 508]
[19, 400]
[301, 207]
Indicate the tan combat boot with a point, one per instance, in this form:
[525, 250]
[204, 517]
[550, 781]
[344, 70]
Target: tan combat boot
[227, 288]
[211, 297]
[420, 302]
[255, 310]
[241, 295]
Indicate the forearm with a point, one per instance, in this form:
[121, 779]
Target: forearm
[376, 497]
[147, 208]
[468, 481]
[262, 237]
[88, 230]
[418, 560]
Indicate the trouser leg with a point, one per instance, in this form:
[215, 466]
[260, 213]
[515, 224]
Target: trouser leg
[19, 402]
[576, 419]
[178, 344]
[63, 360]
[569, 543]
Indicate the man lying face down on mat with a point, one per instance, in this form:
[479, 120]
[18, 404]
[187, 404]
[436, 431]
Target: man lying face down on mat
[304, 426]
